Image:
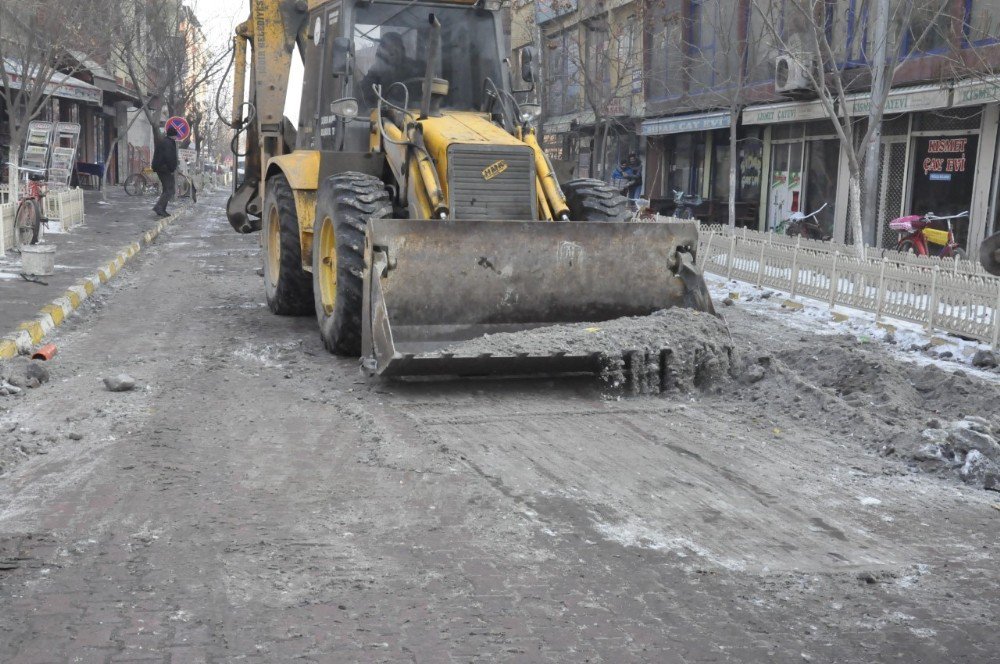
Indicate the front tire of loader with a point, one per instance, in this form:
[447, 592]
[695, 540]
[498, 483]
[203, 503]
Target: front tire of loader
[287, 287]
[594, 200]
[344, 205]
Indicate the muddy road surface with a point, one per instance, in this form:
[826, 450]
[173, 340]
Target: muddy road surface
[256, 499]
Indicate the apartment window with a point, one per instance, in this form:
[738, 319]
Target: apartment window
[714, 42]
[673, 44]
[555, 72]
[982, 22]
[928, 28]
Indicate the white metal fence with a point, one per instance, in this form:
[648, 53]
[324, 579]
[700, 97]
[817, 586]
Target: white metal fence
[969, 266]
[935, 293]
[6, 227]
[66, 207]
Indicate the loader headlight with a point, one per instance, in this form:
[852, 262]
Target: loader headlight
[530, 112]
[346, 108]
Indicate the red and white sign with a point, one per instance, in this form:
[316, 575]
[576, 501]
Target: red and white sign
[180, 125]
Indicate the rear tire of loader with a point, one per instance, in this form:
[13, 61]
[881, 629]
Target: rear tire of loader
[594, 200]
[287, 287]
[344, 205]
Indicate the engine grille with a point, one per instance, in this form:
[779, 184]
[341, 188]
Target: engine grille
[491, 182]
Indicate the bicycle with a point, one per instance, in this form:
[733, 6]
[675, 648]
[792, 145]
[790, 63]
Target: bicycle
[799, 223]
[138, 184]
[915, 234]
[28, 219]
[685, 204]
[640, 209]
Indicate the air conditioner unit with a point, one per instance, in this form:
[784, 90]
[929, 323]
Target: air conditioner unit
[791, 74]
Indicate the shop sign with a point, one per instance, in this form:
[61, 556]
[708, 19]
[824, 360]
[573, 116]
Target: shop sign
[903, 101]
[619, 106]
[945, 156]
[772, 113]
[685, 123]
[975, 92]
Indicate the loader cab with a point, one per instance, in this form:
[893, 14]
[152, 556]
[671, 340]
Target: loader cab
[387, 45]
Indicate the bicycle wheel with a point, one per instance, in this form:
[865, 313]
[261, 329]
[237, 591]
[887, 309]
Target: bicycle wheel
[135, 184]
[959, 254]
[27, 223]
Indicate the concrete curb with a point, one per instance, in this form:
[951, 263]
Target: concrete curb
[31, 333]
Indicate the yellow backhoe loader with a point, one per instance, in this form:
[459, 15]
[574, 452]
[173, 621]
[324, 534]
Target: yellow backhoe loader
[412, 208]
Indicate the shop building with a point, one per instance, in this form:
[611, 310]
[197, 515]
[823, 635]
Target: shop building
[939, 147]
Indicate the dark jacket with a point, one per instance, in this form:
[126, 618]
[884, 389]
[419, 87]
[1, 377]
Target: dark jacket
[164, 155]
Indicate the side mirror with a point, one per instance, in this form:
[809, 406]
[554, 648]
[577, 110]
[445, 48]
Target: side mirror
[341, 57]
[528, 64]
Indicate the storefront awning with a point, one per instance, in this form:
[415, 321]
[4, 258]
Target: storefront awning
[684, 123]
[903, 100]
[791, 111]
[59, 85]
[974, 92]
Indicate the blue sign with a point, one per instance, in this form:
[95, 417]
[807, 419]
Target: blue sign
[946, 177]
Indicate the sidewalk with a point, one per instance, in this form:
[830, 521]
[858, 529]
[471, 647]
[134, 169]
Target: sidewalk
[106, 229]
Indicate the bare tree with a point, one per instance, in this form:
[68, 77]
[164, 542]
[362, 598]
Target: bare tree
[168, 65]
[807, 31]
[592, 61]
[36, 39]
[718, 62]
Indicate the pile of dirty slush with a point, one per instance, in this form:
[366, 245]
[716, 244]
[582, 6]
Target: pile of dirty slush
[669, 349]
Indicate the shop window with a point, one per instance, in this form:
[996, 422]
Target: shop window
[751, 154]
[785, 187]
[898, 125]
[680, 165]
[982, 22]
[820, 128]
[950, 120]
[943, 173]
[784, 132]
[720, 166]
[821, 181]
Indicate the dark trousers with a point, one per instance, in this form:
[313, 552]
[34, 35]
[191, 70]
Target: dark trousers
[168, 187]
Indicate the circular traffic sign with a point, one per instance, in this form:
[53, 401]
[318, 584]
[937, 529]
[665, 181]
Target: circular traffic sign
[180, 125]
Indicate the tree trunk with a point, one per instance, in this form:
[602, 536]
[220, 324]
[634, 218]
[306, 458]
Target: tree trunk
[597, 169]
[879, 89]
[854, 186]
[733, 119]
[13, 173]
[869, 207]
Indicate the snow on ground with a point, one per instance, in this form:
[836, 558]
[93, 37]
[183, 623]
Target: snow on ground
[908, 341]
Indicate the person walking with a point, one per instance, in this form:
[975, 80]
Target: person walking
[165, 166]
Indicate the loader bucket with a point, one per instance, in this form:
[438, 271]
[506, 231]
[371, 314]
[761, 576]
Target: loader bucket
[432, 285]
